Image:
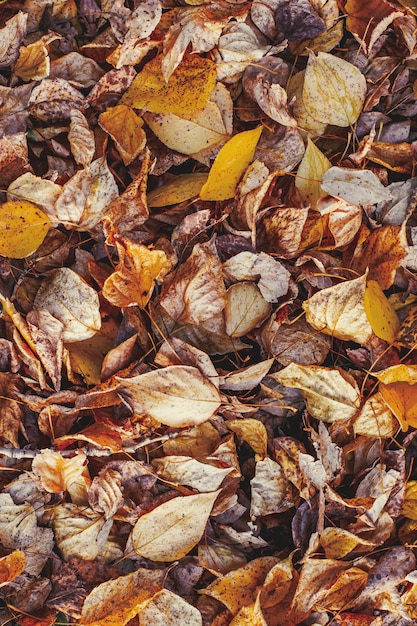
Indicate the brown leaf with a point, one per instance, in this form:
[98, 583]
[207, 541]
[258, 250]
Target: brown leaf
[381, 252]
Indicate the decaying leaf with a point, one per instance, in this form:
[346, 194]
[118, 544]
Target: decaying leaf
[177, 395]
[171, 530]
[54, 473]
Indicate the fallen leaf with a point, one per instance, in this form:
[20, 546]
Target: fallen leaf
[250, 615]
[186, 91]
[381, 252]
[271, 276]
[375, 418]
[270, 490]
[125, 128]
[339, 311]
[178, 395]
[167, 608]
[170, 531]
[310, 173]
[64, 295]
[11, 36]
[381, 315]
[334, 90]
[330, 394]
[245, 309]
[184, 470]
[230, 165]
[298, 19]
[338, 543]
[54, 473]
[354, 186]
[116, 602]
[183, 187]
[81, 139]
[11, 566]
[253, 432]
[17, 218]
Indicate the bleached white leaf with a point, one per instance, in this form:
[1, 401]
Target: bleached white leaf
[167, 608]
[269, 490]
[248, 378]
[355, 186]
[245, 309]
[66, 296]
[177, 395]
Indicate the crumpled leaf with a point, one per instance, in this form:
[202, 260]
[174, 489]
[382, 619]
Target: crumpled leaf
[184, 470]
[72, 301]
[330, 394]
[19, 531]
[54, 473]
[230, 165]
[171, 530]
[46, 334]
[248, 378]
[334, 90]
[271, 276]
[18, 218]
[381, 315]
[253, 432]
[338, 543]
[81, 139]
[381, 252]
[270, 492]
[36, 190]
[86, 195]
[116, 602]
[34, 62]
[11, 37]
[188, 89]
[298, 19]
[355, 186]
[125, 128]
[105, 494]
[339, 311]
[166, 608]
[82, 533]
[245, 309]
[53, 99]
[133, 280]
[177, 395]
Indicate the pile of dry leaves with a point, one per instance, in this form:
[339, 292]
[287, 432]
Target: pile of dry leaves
[208, 280]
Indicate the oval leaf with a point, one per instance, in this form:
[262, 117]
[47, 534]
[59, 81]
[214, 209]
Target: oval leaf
[309, 174]
[245, 309]
[181, 188]
[23, 228]
[171, 530]
[177, 395]
[230, 165]
[72, 301]
[334, 90]
[380, 313]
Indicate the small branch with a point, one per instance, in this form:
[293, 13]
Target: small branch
[18, 453]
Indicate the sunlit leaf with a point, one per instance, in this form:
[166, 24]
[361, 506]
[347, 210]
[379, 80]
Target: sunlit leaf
[183, 187]
[253, 432]
[409, 505]
[172, 529]
[55, 473]
[187, 90]
[125, 128]
[178, 395]
[381, 315]
[23, 227]
[11, 566]
[334, 90]
[309, 174]
[230, 165]
[375, 419]
[245, 309]
[355, 186]
[338, 543]
[185, 470]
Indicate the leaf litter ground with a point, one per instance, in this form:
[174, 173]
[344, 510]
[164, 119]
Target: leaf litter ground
[208, 371]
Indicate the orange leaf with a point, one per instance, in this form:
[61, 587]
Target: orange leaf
[11, 566]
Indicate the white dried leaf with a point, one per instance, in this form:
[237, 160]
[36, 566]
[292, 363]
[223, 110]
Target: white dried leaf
[271, 276]
[270, 491]
[81, 139]
[185, 470]
[358, 187]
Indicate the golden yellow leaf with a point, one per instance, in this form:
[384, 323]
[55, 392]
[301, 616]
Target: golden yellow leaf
[381, 315]
[133, 281]
[339, 311]
[338, 543]
[182, 187]
[250, 615]
[230, 165]
[171, 530]
[239, 587]
[87, 356]
[11, 566]
[125, 128]
[347, 587]
[116, 602]
[401, 398]
[23, 227]
[252, 431]
[187, 90]
[334, 90]
[310, 171]
[395, 373]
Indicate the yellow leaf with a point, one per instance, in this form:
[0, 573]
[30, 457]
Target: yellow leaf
[310, 171]
[133, 281]
[250, 615]
[230, 165]
[338, 543]
[381, 253]
[116, 602]
[252, 431]
[238, 588]
[171, 530]
[347, 587]
[401, 397]
[381, 315]
[334, 90]
[87, 356]
[409, 506]
[339, 311]
[187, 90]
[11, 566]
[23, 227]
[125, 128]
[181, 188]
